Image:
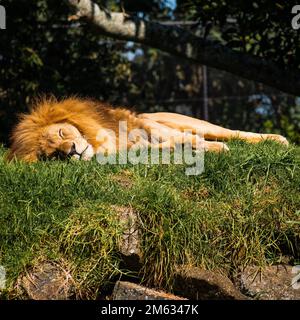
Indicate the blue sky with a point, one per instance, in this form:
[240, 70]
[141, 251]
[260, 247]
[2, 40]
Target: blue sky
[171, 3]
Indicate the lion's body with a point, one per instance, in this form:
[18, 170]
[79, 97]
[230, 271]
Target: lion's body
[41, 131]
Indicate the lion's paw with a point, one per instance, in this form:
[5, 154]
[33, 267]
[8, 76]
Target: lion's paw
[278, 138]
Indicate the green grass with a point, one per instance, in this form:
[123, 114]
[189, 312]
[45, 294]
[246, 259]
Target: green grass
[244, 209]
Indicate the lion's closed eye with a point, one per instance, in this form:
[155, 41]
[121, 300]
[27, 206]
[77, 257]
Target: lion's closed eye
[61, 133]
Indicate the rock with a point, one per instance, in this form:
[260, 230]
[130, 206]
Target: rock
[129, 245]
[124, 290]
[123, 179]
[47, 281]
[278, 282]
[198, 284]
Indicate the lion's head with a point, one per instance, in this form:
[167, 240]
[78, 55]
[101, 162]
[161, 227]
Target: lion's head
[56, 130]
[55, 141]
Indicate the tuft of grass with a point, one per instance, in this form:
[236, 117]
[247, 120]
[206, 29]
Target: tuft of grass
[244, 209]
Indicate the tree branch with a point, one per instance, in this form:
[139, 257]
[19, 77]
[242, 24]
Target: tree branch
[179, 42]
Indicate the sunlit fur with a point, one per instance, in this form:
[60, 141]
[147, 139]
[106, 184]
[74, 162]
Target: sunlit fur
[53, 128]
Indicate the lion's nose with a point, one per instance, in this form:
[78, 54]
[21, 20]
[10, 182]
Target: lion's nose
[73, 150]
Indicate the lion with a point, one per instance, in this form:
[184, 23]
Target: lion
[81, 128]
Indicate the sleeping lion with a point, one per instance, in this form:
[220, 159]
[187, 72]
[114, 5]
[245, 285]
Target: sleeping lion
[80, 128]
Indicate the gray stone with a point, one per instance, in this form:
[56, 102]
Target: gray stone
[124, 290]
[47, 281]
[198, 284]
[129, 245]
[278, 282]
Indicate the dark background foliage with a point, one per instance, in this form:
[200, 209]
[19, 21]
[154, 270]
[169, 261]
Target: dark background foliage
[41, 52]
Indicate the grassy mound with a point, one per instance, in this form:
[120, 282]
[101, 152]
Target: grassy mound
[244, 209]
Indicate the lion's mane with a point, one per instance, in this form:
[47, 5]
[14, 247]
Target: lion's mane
[87, 116]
